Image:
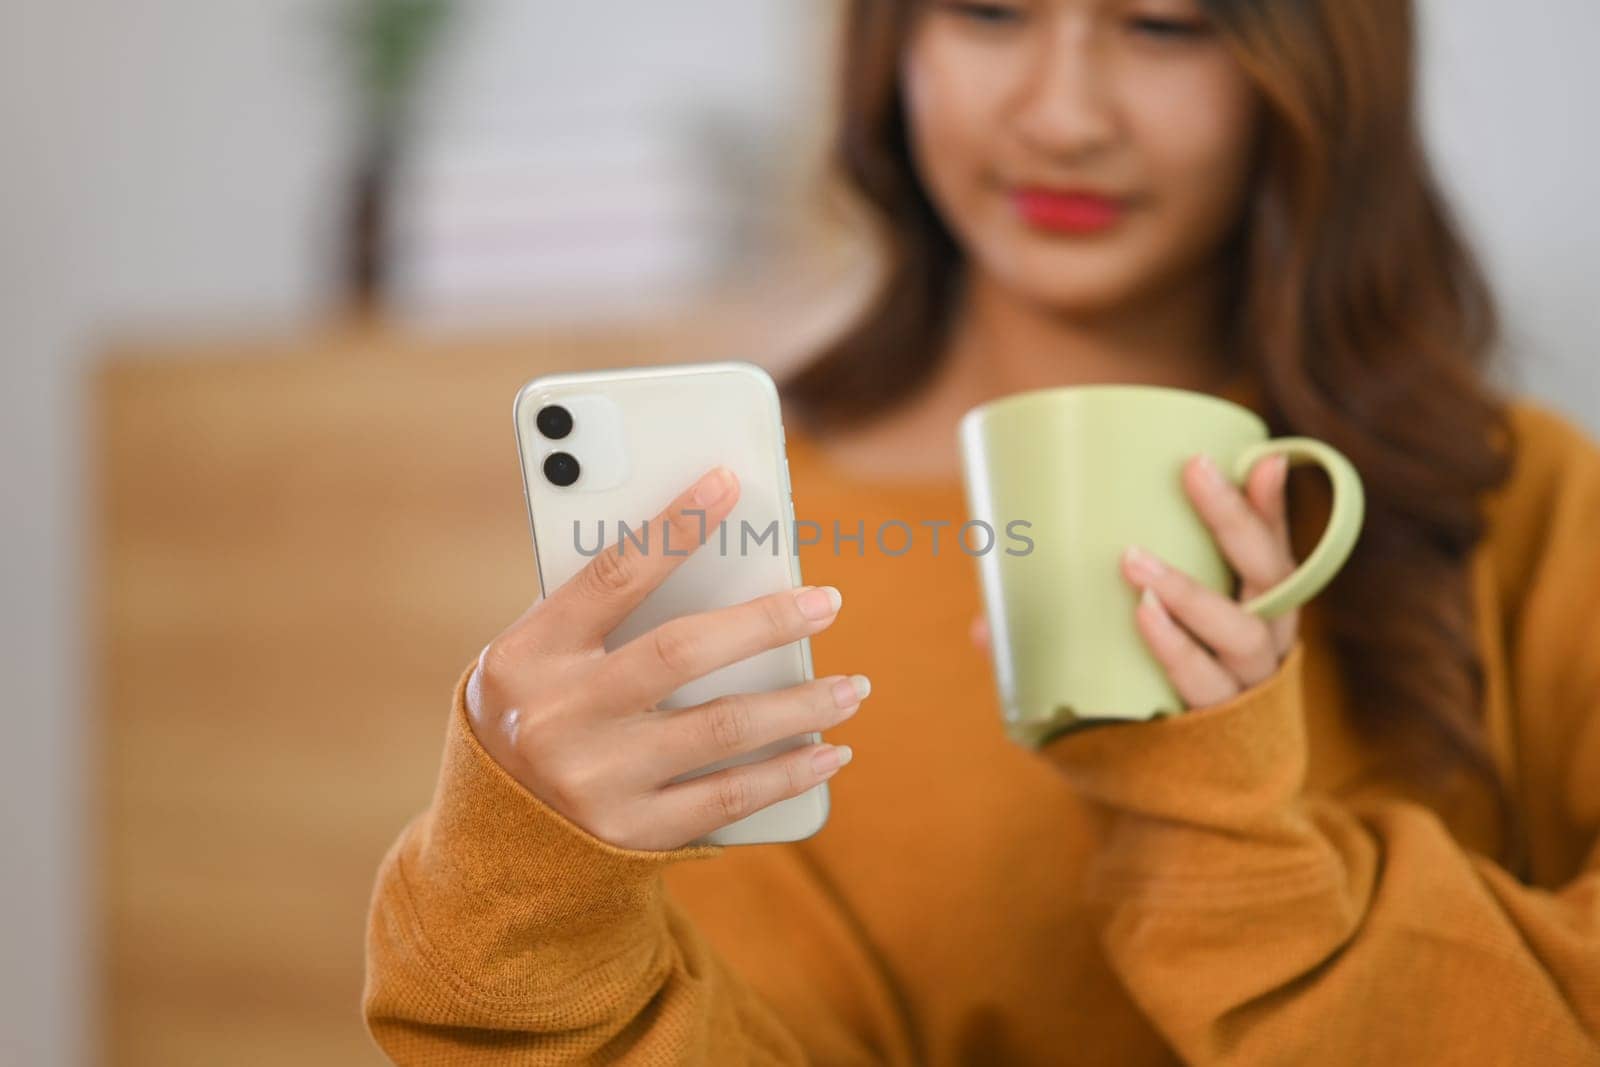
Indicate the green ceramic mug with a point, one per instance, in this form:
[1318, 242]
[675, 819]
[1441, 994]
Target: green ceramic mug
[1079, 473]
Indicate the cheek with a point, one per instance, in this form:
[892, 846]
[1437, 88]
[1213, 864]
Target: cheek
[949, 107]
[1198, 135]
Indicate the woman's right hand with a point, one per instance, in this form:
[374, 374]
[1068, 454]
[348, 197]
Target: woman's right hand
[578, 727]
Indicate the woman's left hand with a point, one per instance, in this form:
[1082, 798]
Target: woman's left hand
[1210, 647]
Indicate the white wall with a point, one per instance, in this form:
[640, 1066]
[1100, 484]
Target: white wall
[611, 160]
[161, 164]
[167, 161]
[41, 968]
[1510, 100]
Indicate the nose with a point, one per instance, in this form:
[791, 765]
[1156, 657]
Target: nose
[1062, 105]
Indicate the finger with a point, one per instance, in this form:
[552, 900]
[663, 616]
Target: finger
[1241, 641]
[652, 665]
[1266, 490]
[581, 611]
[1199, 679]
[712, 801]
[1248, 542]
[687, 739]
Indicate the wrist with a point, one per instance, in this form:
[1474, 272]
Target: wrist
[1226, 764]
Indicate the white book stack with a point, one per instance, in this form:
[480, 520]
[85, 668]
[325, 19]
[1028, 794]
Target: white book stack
[599, 220]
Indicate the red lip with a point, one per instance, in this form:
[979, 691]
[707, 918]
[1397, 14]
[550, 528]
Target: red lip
[1067, 211]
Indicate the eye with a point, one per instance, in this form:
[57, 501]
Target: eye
[993, 14]
[1168, 28]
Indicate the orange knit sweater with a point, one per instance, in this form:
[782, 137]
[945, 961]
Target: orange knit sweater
[1240, 884]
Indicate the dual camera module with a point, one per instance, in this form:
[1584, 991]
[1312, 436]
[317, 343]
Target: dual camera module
[555, 422]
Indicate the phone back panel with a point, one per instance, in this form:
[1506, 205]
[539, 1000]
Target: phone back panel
[641, 436]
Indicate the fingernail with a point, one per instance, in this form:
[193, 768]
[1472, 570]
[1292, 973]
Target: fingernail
[1149, 600]
[851, 690]
[713, 487]
[1208, 468]
[830, 759]
[819, 603]
[1146, 568]
[1280, 471]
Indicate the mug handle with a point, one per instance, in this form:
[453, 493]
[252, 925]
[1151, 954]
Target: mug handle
[1338, 540]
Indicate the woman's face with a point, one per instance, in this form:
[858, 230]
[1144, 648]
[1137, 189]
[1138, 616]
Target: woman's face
[1013, 102]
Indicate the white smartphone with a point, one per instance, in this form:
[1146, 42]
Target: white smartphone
[604, 451]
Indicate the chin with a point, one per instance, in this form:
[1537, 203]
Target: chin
[1092, 275]
[1082, 287]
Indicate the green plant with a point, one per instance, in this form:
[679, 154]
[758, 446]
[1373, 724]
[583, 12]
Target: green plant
[388, 43]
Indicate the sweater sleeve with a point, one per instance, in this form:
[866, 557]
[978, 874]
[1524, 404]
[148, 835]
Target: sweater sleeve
[500, 931]
[1256, 923]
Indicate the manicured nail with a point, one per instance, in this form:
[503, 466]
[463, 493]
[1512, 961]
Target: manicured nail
[1208, 468]
[713, 487]
[851, 690]
[1153, 604]
[830, 759]
[1146, 568]
[819, 603]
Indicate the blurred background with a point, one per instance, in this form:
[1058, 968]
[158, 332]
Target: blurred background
[270, 274]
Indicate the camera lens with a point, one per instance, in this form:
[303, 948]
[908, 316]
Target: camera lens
[561, 468]
[554, 421]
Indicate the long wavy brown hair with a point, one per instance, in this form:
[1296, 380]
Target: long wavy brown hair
[1360, 314]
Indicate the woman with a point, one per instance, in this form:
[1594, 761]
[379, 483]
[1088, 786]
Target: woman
[1372, 838]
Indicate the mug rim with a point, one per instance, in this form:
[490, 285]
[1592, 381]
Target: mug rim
[1035, 396]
